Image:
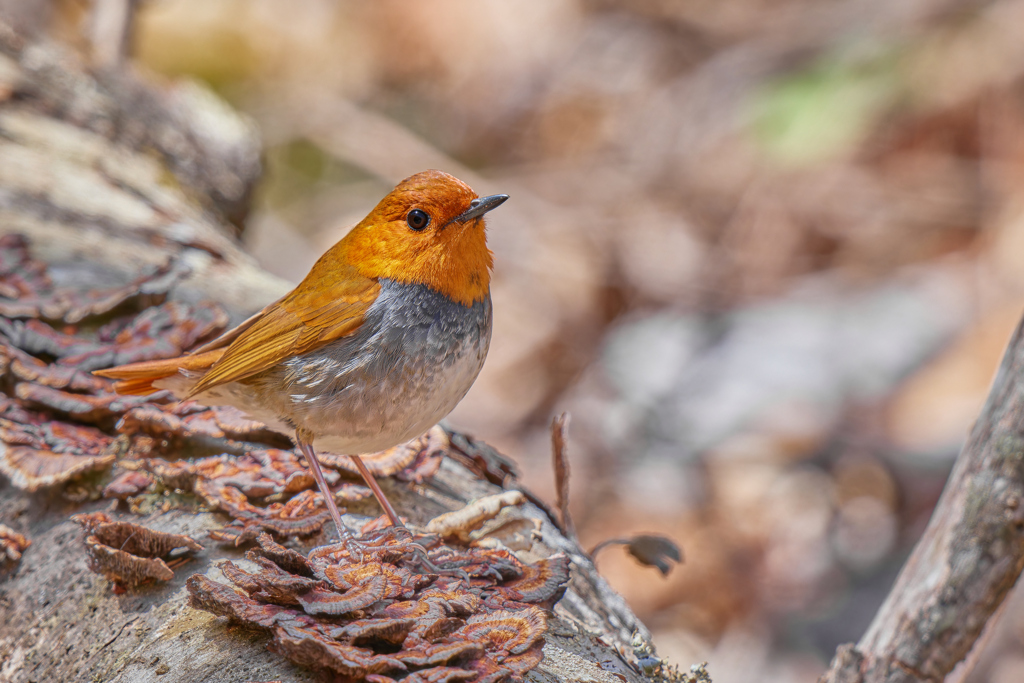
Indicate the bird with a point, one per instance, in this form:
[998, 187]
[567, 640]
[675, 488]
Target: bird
[380, 341]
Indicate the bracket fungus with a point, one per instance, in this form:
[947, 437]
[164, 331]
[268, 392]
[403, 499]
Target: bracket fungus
[37, 451]
[28, 292]
[462, 523]
[384, 615]
[24, 367]
[130, 554]
[48, 394]
[207, 428]
[127, 484]
[12, 544]
[157, 332]
[20, 274]
[99, 408]
[302, 515]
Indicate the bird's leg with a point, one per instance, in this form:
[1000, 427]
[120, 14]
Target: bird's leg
[377, 492]
[306, 447]
[353, 546]
[389, 510]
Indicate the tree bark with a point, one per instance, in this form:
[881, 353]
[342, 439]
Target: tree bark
[105, 174]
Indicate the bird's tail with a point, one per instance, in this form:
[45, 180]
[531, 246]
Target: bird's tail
[137, 379]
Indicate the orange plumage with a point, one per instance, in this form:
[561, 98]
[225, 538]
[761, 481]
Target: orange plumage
[456, 263]
[403, 297]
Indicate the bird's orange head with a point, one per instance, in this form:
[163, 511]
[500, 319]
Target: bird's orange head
[429, 230]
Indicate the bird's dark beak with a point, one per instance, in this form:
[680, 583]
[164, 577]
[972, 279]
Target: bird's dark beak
[479, 206]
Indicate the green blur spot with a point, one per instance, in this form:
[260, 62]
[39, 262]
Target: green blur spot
[826, 110]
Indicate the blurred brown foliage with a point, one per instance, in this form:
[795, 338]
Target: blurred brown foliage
[766, 252]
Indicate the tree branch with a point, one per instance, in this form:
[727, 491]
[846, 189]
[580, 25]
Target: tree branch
[968, 559]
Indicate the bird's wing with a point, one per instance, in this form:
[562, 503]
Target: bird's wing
[303, 321]
[224, 340]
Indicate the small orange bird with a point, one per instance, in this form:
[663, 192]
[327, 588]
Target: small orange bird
[380, 341]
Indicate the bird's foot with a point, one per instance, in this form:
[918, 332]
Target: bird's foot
[424, 561]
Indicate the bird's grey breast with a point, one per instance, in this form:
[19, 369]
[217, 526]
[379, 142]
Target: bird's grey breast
[415, 356]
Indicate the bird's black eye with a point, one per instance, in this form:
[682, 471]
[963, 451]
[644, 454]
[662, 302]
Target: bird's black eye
[417, 219]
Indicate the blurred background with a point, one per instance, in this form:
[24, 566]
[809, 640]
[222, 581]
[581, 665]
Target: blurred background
[766, 252]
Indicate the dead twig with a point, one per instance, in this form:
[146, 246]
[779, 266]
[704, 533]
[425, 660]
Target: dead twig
[110, 30]
[560, 460]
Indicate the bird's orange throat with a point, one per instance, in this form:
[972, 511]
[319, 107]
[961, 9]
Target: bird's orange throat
[454, 261]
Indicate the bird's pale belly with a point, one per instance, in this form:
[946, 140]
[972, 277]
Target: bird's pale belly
[409, 364]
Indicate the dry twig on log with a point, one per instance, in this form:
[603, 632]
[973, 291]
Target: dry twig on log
[560, 461]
